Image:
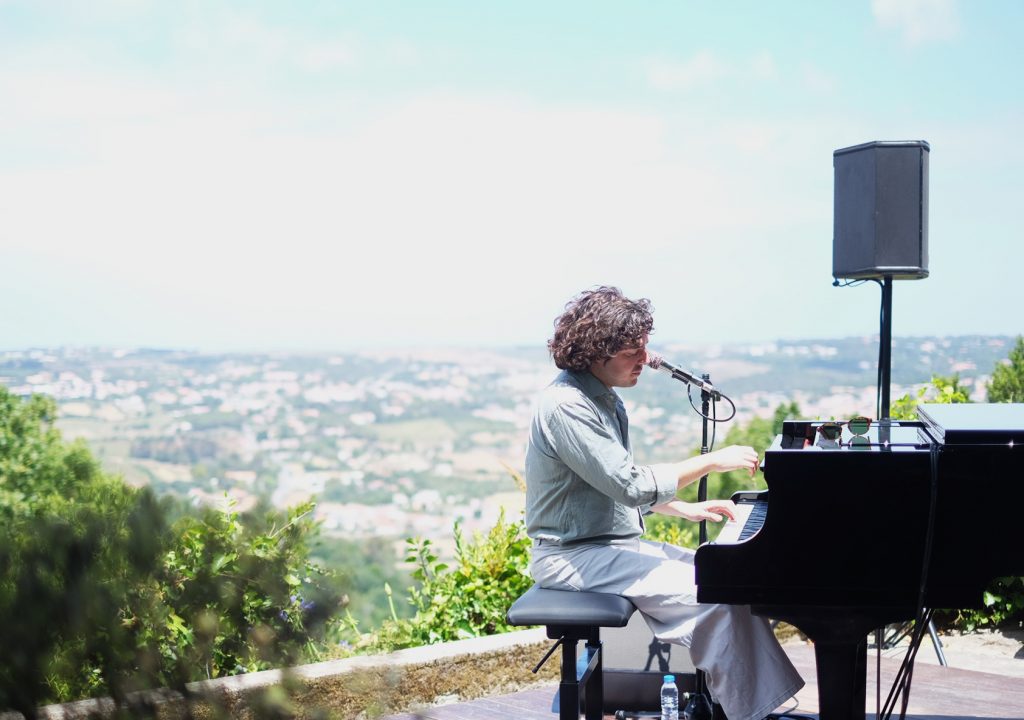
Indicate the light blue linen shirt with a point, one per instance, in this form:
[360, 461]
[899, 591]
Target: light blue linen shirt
[582, 484]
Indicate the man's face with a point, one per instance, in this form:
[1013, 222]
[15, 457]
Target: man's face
[623, 368]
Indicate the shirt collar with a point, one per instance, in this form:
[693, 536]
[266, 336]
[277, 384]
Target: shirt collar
[593, 388]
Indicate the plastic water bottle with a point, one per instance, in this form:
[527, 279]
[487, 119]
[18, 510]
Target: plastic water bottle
[669, 699]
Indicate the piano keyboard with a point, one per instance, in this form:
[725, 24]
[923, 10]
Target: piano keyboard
[750, 516]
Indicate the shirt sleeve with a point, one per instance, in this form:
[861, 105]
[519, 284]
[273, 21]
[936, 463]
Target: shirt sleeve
[592, 451]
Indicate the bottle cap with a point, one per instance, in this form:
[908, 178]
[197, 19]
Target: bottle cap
[670, 678]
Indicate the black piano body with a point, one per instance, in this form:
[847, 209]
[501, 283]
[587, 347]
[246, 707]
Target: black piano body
[842, 547]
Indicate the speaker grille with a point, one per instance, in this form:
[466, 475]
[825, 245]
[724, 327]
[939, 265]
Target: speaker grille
[881, 210]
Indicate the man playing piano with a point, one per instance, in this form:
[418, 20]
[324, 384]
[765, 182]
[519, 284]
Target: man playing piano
[586, 497]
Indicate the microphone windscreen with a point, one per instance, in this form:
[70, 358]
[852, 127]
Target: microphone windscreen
[653, 360]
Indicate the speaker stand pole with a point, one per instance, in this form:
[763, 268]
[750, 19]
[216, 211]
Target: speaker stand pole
[884, 378]
[885, 351]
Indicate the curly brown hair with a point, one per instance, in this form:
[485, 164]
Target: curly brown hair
[596, 324]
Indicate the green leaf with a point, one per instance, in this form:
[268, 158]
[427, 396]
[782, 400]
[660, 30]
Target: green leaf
[221, 560]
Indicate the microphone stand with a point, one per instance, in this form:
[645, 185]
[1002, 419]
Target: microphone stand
[699, 706]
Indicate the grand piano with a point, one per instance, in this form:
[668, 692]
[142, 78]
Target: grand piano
[862, 532]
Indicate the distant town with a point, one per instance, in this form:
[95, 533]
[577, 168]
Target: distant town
[403, 443]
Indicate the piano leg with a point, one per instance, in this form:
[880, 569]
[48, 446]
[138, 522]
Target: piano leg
[840, 652]
[842, 674]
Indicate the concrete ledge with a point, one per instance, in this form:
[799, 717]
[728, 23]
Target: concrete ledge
[357, 687]
[411, 656]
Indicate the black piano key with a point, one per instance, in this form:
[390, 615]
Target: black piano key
[755, 521]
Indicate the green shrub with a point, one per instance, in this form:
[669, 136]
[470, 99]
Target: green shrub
[237, 595]
[1004, 605]
[1007, 383]
[943, 389]
[465, 600]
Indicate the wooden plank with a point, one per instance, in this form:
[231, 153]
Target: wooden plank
[937, 693]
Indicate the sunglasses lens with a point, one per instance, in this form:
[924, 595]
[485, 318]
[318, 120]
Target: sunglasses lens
[859, 425]
[831, 431]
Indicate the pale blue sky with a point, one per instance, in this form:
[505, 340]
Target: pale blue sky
[340, 175]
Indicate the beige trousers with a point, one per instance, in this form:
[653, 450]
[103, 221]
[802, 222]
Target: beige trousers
[747, 671]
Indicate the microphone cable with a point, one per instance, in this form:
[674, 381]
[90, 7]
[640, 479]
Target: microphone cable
[713, 417]
[656, 362]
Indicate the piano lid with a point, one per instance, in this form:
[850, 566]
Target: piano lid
[974, 423]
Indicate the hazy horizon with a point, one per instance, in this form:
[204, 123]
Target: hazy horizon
[541, 348]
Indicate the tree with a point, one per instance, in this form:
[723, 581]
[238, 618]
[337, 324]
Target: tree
[36, 466]
[102, 595]
[1007, 383]
[73, 541]
[943, 389]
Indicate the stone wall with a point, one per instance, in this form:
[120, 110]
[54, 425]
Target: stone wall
[358, 687]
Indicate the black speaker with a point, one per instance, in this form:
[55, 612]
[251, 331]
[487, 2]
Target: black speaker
[881, 211]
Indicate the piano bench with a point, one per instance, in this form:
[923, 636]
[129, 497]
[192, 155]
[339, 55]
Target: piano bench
[570, 617]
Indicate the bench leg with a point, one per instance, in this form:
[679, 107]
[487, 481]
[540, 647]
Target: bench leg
[569, 687]
[594, 688]
[582, 679]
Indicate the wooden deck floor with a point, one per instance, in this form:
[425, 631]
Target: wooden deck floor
[938, 693]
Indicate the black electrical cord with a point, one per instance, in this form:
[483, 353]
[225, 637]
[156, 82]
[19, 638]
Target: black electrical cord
[901, 684]
[849, 283]
[713, 418]
[923, 617]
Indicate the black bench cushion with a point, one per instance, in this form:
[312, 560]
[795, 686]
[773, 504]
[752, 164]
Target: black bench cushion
[540, 606]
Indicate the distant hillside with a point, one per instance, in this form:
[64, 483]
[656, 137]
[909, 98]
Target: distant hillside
[428, 434]
[817, 367]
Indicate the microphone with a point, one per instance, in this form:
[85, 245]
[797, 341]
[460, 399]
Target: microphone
[657, 362]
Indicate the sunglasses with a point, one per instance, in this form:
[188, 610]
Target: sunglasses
[833, 430]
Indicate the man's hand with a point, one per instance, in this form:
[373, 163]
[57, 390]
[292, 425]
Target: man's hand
[713, 510]
[736, 457]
